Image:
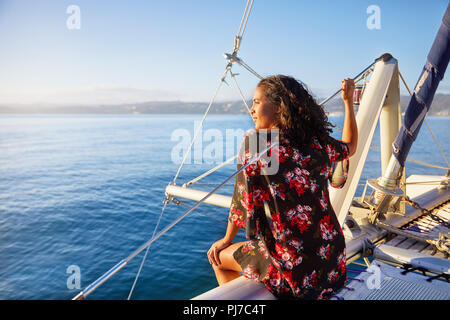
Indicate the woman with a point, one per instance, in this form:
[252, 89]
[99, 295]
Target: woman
[296, 245]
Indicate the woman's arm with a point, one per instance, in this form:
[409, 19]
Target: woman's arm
[232, 230]
[350, 131]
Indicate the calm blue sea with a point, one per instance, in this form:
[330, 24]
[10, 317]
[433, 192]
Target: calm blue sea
[87, 190]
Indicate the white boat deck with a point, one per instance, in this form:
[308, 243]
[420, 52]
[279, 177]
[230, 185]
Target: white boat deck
[386, 282]
[425, 224]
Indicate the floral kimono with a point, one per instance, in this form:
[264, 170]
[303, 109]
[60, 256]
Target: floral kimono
[296, 247]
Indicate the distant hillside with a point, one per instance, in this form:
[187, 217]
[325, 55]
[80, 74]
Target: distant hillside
[440, 107]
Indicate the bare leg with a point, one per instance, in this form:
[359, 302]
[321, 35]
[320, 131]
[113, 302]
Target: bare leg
[224, 276]
[229, 269]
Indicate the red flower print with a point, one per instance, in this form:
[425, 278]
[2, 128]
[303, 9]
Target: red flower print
[238, 221]
[277, 190]
[288, 277]
[300, 217]
[259, 196]
[282, 156]
[289, 175]
[288, 265]
[314, 187]
[296, 243]
[324, 252]
[247, 203]
[344, 149]
[304, 161]
[296, 155]
[262, 250]
[253, 170]
[316, 144]
[281, 153]
[325, 294]
[341, 262]
[327, 229]
[298, 185]
[290, 213]
[274, 277]
[302, 221]
[298, 260]
[323, 201]
[304, 208]
[325, 172]
[333, 275]
[277, 224]
[310, 281]
[237, 216]
[279, 249]
[331, 151]
[241, 187]
[251, 272]
[247, 247]
[301, 172]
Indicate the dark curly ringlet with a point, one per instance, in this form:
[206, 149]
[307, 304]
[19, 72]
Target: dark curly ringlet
[301, 118]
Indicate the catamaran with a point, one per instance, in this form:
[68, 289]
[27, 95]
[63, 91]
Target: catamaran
[399, 226]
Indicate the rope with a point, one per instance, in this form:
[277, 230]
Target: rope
[246, 66]
[409, 159]
[200, 126]
[437, 143]
[207, 173]
[423, 182]
[155, 236]
[428, 126]
[426, 212]
[240, 92]
[146, 252]
[178, 202]
[93, 286]
[243, 17]
[362, 74]
[231, 57]
[246, 14]
[426, 164]
[242, 26]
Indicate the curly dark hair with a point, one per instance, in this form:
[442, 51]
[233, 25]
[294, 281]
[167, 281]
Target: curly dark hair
[301, 118]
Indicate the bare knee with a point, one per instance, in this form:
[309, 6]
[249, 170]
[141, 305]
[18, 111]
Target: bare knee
[220, 265]
[217, 267]
[227, 261]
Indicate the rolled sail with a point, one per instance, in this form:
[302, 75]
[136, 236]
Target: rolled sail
[432, 73]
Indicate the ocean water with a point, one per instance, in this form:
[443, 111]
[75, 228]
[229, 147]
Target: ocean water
[87, 190]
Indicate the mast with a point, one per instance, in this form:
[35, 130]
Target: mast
[433, 72]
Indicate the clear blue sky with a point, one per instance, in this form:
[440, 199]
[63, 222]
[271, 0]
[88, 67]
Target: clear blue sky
[133, 51]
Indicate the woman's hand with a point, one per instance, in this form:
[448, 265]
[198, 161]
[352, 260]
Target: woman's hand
[213, 252]
[348, 88]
